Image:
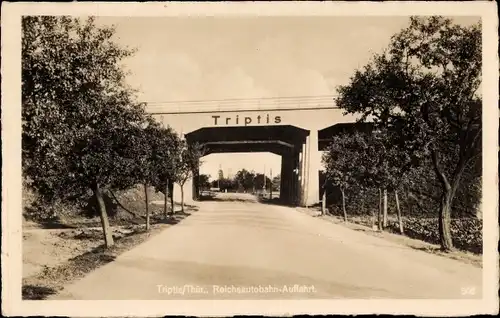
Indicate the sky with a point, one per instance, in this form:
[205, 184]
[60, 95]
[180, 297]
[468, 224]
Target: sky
[207, 58]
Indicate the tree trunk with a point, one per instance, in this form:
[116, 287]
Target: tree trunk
[445, 221]
[373, 217]
[409, 203]
[108, 236]
[385, 208]
[343, 204]
[172, 204]
[182, 198]
[400, 221]
[147, 205]
[199, 189]
[165, 205]
[379, 209]
[323, 202]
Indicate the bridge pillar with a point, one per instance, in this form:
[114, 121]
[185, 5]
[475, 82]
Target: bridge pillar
[302, 175]
[284, 178]
[287, 175]
[290, 173]
[313, 167]
[296, 177]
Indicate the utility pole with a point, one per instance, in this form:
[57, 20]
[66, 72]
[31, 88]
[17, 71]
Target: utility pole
[271, 187]
[219, 176]
[264, 186]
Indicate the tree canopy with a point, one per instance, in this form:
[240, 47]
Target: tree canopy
[83, 129]
[423, 92]
[77, 107]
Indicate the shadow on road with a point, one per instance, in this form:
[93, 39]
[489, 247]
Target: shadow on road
[169, 220]
[172, 219]
[363, 230]
[53, 225]
[275, 201]
[32, 292]
[77, 266]
[228, 197]
[206, 198]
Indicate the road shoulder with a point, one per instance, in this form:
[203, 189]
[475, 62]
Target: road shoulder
[462, 256]
[74, 263]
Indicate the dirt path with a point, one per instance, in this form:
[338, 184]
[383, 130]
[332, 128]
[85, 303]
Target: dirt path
[50, 247]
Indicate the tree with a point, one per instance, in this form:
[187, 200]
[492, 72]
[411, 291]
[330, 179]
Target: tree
[225, 184]
[245, 179]
[342, 163]
[259, 181]
[188, 161]
[165, 143]
[139, 152]
[366, 160]
[76, 110]
[204, 181]
[424, 90]
[214, 183]
[150, 149]
[276, 182]
[387, 170]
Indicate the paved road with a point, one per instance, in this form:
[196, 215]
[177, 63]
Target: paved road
[271, 252]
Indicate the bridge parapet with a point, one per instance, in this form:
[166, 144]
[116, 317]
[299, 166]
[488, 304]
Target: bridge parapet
[238, 105]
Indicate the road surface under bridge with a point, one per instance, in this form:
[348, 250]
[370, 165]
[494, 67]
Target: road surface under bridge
[289, 142]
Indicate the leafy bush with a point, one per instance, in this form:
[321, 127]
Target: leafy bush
[466, 232]
[420, 209]
[90, 208]
[40, 212]
[37, 210]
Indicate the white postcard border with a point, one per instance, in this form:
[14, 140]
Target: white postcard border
[11, 166]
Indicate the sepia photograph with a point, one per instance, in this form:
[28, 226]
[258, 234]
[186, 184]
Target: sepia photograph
[237, 156]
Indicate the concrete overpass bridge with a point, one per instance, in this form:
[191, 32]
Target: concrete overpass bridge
[295, 128]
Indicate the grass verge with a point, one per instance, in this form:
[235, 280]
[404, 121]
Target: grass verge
[354, 224]
[51, 280]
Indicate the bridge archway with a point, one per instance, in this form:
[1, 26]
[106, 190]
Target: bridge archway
[287, 141]
[261, 125]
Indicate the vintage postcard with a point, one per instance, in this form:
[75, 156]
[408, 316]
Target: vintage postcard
[220, 159]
